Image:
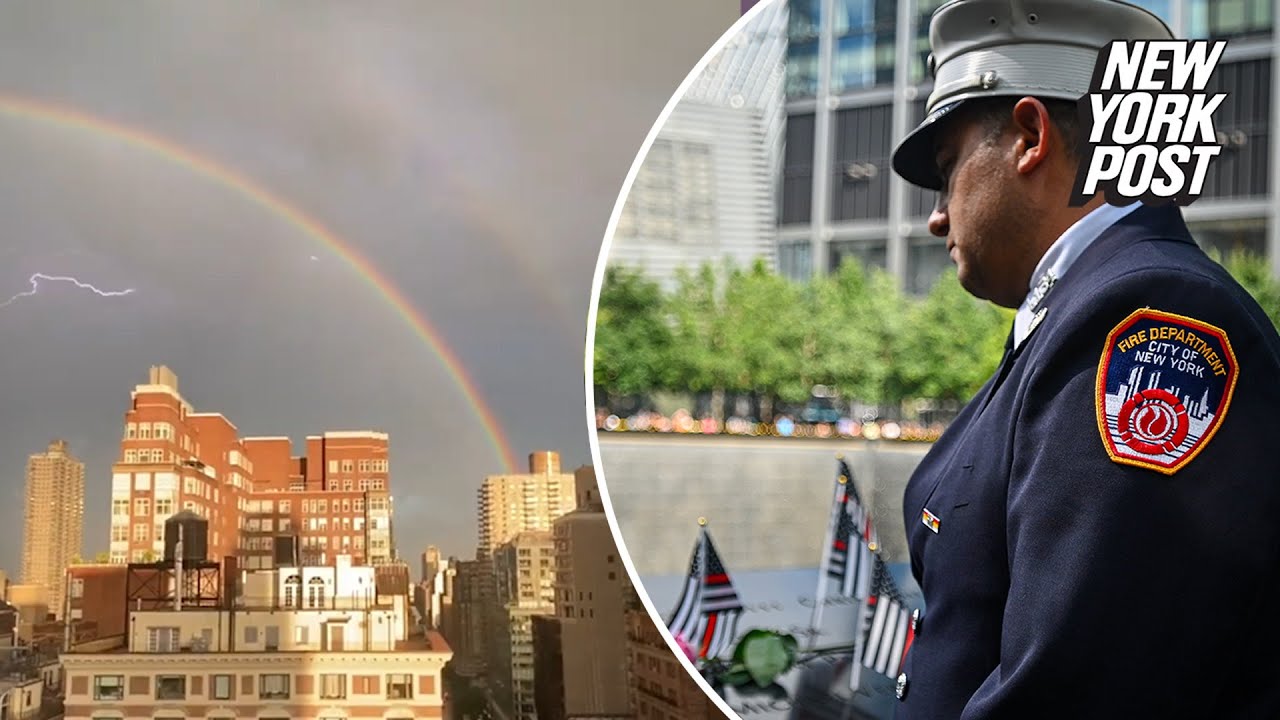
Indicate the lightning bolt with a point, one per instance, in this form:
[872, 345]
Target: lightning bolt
[35, 286]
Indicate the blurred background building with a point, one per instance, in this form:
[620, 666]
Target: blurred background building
[856, 83]
[707, 188]
[797, 116]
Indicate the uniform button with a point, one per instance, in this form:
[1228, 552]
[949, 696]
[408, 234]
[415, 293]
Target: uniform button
[915, 621]
[901, 689]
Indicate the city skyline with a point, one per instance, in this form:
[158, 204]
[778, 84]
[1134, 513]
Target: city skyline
[374, 225]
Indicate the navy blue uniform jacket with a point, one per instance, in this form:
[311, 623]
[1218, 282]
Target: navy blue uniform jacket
[1061, 583]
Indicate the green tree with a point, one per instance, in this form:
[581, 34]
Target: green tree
[1253, 272]
[887, 320]
[952, 343]
[761, 336]
[832, 348]
[102, 557]
[700, 359]
[633, 339]
[858, 316]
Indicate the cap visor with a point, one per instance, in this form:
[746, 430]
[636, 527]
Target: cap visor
[914, 159]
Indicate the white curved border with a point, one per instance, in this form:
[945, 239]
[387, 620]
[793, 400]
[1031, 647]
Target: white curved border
[601, 264]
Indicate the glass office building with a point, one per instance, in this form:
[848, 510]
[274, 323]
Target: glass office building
[856, 82]
[705, 192]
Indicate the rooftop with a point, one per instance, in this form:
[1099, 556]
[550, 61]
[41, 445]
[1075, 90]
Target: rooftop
[9, 683]
[433, 642]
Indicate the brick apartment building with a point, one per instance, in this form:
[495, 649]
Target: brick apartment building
[256, 496]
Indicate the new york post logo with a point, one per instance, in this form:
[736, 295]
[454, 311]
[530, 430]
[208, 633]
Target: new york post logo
[1149, 120]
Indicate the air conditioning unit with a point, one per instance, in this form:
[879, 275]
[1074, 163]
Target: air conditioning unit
[861, 171]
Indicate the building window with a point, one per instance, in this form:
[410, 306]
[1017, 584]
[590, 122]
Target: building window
[348, 466]
[364, 466]
[333, 687]
[357, 505]
[130, 456]
[171, 687]
[220, 687]
[162, 639]
[141, 532]
[250, 635]
[164, 507]
[142, 506]
[300, 635]
[131, 431]
[1230, 18]
[400, 687]
[120, 508]
[315, 593]
[119, 533]
[108, 687]
[273, 687]
[293, 591]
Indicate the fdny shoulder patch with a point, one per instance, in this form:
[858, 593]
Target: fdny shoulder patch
[1163, 388]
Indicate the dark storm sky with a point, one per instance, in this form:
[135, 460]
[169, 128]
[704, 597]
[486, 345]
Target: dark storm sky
[472, 151]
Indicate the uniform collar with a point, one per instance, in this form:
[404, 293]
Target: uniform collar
[1059, 258]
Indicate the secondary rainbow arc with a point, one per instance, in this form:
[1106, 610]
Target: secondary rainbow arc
[69, 118]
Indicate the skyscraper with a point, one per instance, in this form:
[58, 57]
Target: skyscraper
[581, 652]
[512, 504]
[523, 573]
[54, 520]
[430, 563]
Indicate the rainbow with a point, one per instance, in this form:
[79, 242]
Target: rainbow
[204, 166]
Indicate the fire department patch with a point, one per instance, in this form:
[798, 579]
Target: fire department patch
[1163, 388]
